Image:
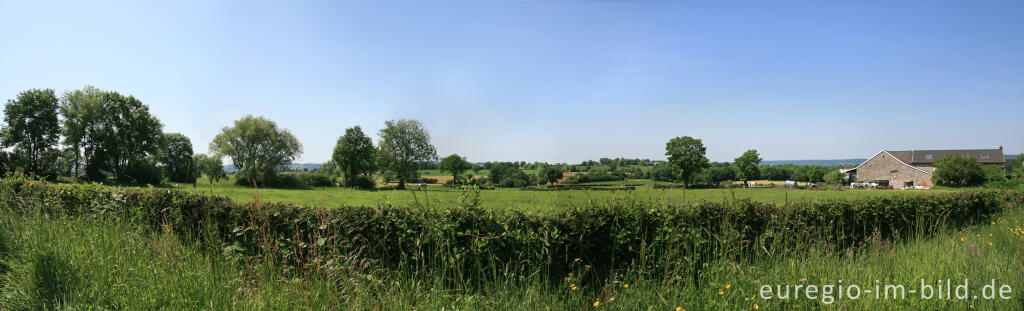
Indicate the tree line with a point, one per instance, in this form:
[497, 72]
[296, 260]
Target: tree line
[96, 135]
[100, 135]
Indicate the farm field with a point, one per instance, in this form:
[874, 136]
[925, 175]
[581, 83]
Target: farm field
[508, 198]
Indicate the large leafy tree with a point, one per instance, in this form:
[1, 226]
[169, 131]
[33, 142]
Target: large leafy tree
[354, 154]
[127, 134]
[552, 173]
[404, 144]
[116, 134]
[958, 171]
[80, 110]
[456, 165]
[212, 167]
[257, 147]
[748, 166]
[177, 159]
[687, 155]
[31, 127]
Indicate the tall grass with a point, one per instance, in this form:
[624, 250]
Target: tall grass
[109, 258]
[90, 262]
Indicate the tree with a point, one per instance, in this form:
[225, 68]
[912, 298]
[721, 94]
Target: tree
[994, 173]
[552, 173]
[212, 167]
[958, 171]
[403, 145]
[31, 127]
[834, 177]
[1012, 165]
[257, 147]
[456, 165]
[177, 159]
[716, 174]
[686, 155]
[508, 175]
[748, 166]
[80, 110]
[126, 135]
[815, 174]
[113, 131]
[354, 154]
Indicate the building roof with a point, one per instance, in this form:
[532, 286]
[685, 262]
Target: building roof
[893, 156]
[930, 156]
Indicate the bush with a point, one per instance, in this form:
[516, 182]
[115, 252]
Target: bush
[508, 176]
[595, 177]
[311, 179]
[428, 180]
[362, 182]
[958, 171]
[270, 181]
[608, 235]
[144, 172]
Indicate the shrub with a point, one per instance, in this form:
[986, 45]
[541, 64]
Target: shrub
[504, 175]
[312, 179]
[361, 182]
[144, 172]
[595, 177]
[269, 181]
[958, 171]
[428, 180]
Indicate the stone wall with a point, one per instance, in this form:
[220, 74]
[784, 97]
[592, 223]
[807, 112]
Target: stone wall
[885, 167]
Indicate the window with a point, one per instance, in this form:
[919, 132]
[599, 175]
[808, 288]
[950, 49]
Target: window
[984, 156]
[965, 155]
[928, 156]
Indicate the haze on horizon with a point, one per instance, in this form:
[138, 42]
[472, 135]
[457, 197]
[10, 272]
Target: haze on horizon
[562, 81]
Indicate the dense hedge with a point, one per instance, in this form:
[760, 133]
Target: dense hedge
[608, 235]
[594, 177]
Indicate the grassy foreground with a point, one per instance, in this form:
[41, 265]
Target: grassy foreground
[95, 261]
[513, 198]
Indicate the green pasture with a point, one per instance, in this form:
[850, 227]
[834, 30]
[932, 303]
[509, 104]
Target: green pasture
[513, 198]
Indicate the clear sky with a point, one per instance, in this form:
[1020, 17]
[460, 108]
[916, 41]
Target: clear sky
[549, 81]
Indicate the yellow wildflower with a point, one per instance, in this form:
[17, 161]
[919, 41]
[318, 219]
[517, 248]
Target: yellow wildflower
[727, 286]
[611, 299]
[625, 285]
[597, 302]
[755, 306]
[721, 293]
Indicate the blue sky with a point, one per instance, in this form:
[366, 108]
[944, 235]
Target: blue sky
[550, 81]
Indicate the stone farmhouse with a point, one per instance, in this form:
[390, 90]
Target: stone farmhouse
[911, 168]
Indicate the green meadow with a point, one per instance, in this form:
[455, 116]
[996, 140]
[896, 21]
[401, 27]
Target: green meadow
[512, 198]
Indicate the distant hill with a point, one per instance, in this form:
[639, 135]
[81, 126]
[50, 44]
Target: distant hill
[843, 162]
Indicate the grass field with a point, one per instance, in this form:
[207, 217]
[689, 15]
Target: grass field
[503, 198]
[100, 262]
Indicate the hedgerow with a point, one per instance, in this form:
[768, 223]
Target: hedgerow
[467, 242]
